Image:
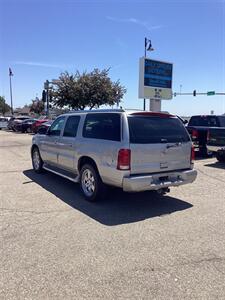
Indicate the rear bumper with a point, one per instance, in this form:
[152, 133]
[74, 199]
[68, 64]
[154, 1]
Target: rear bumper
[215, 148]
[158, 181]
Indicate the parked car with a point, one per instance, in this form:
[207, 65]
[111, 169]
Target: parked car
[37, 124]
[14, 121]
[216, 142]
[25, 126]
[3, 123]
[198, 127]
[10, 122]
[42, 129]
[135, 151]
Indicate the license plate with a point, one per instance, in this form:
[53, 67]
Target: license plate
[163, 165]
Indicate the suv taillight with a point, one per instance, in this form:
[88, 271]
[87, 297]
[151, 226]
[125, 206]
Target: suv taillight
[192, 154]
[123, 161]
[194, 134]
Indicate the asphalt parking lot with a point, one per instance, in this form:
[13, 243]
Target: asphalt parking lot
[54, 245]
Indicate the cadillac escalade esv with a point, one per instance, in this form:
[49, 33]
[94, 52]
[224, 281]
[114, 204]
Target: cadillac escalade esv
[135, 151]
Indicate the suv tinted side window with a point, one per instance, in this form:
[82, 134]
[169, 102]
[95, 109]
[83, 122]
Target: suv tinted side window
[104, 126]
[71, 126]
[56, 126]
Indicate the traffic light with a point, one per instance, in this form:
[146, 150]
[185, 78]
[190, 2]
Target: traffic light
[43, 96]
[194, 93]
[50, 96]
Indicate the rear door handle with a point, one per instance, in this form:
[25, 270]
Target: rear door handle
[64, 144]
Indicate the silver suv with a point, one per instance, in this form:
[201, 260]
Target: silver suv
[135, 151]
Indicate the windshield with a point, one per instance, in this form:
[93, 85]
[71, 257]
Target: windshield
[148, 130]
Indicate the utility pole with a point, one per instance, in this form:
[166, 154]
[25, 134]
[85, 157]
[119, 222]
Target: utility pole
[46, 87]
[10, 87]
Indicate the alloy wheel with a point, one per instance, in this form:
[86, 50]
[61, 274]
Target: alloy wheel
[36, 159]
[88, 182]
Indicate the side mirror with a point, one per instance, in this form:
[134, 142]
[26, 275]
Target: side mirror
[42, 130]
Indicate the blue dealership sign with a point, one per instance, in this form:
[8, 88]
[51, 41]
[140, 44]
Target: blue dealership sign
[157, 74]
[155, 79]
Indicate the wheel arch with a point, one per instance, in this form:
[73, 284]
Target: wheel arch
[86, 160]
[34, 146]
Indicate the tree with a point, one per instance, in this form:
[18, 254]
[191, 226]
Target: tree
[85, 89]
[4, 107]
[37, 106]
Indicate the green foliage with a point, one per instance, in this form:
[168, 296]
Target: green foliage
[37, 106]
[85, 89]
[4, 107]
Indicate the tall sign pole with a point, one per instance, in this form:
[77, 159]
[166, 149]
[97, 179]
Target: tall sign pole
[10, 86]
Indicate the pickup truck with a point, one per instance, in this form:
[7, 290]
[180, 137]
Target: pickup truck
[198, 127]
[216, 142]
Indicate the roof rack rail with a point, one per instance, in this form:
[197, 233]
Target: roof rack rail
[97, 110]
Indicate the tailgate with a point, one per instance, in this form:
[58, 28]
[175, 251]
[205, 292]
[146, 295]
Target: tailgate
[159, 157]
[158, 143]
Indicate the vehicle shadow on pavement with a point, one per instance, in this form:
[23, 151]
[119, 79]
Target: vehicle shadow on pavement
[201, 157]
[217, 165]
[117, 208]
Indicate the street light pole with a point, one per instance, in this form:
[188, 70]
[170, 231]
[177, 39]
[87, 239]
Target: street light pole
[144, 66]
[148, 47]
[10, 86]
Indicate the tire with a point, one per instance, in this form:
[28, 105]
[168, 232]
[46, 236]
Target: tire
[91, 184]
[37, 162]
[204, 152]
[28, 130]
[220, 157]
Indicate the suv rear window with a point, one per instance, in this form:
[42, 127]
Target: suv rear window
[207, 121]
[102, 126]
[149, 130]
